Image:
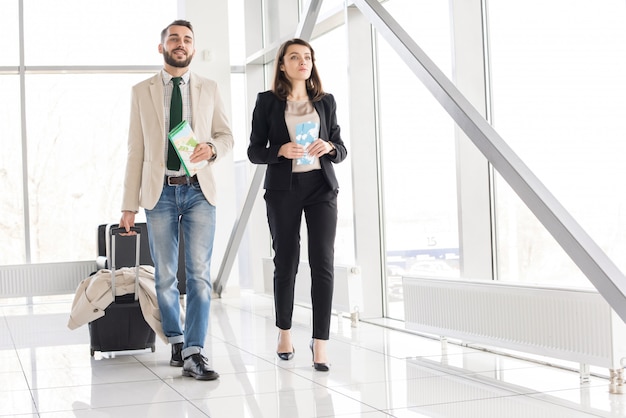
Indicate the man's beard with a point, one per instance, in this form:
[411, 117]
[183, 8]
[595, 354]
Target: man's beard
[170, 60]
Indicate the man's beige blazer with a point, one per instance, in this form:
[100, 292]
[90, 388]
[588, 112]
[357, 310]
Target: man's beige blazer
[145, 167]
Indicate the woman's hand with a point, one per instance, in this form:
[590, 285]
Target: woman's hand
[320, 147]
[291, 150]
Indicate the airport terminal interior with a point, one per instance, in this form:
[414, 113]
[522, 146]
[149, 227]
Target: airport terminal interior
[480, 239]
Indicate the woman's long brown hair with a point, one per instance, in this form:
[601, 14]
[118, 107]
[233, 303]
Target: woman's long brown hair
[281, 86]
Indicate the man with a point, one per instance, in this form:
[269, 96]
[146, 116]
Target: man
[171, 199]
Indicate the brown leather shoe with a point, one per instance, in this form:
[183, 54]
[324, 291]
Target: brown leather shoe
[177, 355]
[197, 366]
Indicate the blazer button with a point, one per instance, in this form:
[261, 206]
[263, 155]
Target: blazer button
[96, 310]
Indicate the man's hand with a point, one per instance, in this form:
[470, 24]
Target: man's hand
[127, 221]
[202, 152]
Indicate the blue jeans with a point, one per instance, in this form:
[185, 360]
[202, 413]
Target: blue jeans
[184, 206]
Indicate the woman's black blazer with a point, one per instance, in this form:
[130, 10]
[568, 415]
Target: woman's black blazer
[269, 133]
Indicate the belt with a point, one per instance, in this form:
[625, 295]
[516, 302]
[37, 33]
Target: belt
[176, 181]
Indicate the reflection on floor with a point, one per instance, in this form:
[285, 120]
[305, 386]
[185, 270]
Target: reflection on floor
[46, 371]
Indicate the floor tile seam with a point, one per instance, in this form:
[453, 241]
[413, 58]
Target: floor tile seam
[411, 379]
[104, 408]
[568, 404]
[253, 354]
[520, 389]
[478, 399]
[351, 414]
[22, 369]
[28, 388]
[147, 367]
[372, 350]
[257, 392]
[361, 347]
[458, 371]
[279, 391]
[352, 398]
[8, 371]
[156, 379]
[12, 339]
[534, 399]
[446, 369]
[516, 389]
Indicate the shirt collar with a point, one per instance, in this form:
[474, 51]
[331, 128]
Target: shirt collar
[167, 77]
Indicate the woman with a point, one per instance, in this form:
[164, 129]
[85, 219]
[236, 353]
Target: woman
[295, 132]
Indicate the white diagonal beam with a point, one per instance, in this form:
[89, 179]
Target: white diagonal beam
[592, 261]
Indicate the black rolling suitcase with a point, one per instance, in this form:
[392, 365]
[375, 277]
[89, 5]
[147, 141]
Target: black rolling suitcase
[123, 326]
[126, 259]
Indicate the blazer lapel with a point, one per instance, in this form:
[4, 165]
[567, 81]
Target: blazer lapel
[156, 93]
[319, 106]
[195, 90]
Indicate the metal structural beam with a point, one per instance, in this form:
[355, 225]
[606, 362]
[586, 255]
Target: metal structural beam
[592, 261]
[303, 31]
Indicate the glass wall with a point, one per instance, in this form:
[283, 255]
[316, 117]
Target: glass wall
[75, 119]
[239, 125]
[330, 57]
[77, 134]
[12, 248]
[78, 32]
[9, 21]
[418, 156]
[559, 96]
[329, 6]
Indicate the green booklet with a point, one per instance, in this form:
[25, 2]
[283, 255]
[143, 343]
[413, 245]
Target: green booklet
[184, 141]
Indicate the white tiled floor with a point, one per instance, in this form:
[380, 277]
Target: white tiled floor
[46, 371]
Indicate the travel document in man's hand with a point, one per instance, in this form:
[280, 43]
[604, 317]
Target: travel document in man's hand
[184, 141]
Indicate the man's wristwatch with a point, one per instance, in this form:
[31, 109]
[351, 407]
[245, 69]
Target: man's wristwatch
[214, 151]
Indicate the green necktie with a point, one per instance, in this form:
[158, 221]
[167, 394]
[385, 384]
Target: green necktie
[176, 116]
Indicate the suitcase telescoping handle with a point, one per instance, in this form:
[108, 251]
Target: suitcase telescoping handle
[113, 232]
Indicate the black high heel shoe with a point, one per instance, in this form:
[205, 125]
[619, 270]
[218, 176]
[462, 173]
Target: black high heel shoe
[288, 355]
[320, 367]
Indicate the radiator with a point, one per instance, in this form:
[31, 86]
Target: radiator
[568, 324]
[43, 279]
[347, 297]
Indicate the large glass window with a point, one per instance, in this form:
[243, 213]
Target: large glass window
[77, 134]
[12, 246]
[559, 99]
[76, 122]
[78, 32]
[330, 5]
[330, 57]
[237, 53]
[9, 22]
[418, 156]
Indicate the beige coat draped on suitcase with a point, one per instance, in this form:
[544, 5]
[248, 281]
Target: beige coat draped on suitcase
[94, 295]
